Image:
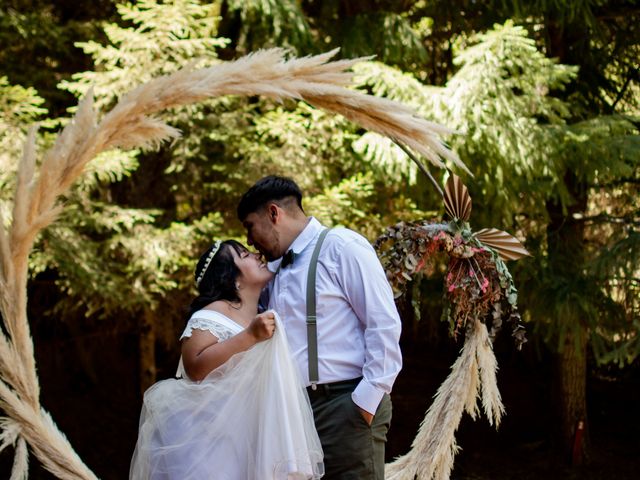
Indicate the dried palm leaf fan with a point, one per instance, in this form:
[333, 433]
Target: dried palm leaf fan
[37, 201]
[507, 246]
[457, 201]
[458, 205]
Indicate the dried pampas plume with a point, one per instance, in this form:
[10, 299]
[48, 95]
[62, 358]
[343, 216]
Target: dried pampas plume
[316, 80]
[434, 448]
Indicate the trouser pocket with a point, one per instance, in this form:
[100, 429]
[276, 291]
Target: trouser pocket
[347, 439]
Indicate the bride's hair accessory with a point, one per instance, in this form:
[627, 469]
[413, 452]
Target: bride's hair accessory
[212, 253]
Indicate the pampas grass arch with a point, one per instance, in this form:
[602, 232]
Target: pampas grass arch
[37, 201]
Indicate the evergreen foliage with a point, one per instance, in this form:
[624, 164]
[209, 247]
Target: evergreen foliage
[37, 43]
[20, 108]
[164, 37]
[255, 24]
[546, 103]
[518, 143]
[517, 132]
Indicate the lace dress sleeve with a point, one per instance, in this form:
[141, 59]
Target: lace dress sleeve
[196, 323]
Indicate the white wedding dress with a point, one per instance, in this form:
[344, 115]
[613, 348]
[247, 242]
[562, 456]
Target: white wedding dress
[249, 419]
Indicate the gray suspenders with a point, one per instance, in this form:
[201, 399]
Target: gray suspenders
[312, 335]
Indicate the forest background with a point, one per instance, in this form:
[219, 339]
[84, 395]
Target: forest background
[546, 95]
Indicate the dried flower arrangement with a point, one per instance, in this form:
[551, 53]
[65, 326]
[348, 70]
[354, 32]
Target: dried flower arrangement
[479, 291]
[477, 282]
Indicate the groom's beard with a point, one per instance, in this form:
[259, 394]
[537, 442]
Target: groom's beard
[276, 251]
[264, 253]
[270, 257]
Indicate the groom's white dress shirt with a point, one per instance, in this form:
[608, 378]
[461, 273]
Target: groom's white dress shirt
[358, 323]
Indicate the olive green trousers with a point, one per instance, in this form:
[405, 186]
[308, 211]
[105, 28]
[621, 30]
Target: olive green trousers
[353, 450]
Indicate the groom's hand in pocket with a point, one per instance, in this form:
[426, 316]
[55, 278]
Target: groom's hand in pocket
[368, 417]
[262, 326]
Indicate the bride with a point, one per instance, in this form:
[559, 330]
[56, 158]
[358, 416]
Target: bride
[239, 412]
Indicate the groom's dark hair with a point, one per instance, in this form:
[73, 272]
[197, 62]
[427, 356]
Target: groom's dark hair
[269, 189]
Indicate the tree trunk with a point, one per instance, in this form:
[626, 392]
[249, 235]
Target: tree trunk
[565, 239]
[572, 377]
[147, 344]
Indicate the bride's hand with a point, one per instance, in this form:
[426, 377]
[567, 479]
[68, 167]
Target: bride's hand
[263, 326]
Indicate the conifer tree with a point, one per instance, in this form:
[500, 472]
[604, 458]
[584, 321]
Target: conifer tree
[227, 144]
[525, 151]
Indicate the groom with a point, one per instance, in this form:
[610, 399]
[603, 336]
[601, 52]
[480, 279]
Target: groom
[358, 326]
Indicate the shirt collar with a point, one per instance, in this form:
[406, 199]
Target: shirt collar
[305, 237]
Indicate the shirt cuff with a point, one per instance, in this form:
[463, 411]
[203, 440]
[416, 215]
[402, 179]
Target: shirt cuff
[367, 397]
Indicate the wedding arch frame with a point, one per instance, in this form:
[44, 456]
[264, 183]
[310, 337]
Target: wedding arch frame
[42, 184]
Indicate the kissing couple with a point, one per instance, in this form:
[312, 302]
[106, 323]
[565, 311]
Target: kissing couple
[297, 390]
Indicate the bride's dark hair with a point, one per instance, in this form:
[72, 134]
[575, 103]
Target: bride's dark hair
[219, 279]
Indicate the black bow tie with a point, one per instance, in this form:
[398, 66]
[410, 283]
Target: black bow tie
[288, 259]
